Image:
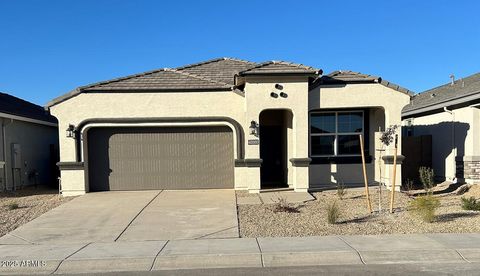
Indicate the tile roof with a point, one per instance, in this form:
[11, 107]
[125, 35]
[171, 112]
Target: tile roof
[445, 93]
[222, 69]
[212, 75]
[18, 107]
[346, 76]
[162, 79]
[215, 75]
[279, 67]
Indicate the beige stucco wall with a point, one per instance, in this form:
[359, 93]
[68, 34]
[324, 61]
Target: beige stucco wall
[385, 105]
[73, 182]
[257, 94]
[141, 105]
[446, 147]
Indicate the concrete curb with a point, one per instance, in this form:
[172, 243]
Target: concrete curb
[235, 252]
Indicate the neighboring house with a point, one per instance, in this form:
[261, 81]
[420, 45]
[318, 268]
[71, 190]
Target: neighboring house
[29, 144]
[450, 114]
[224, 123]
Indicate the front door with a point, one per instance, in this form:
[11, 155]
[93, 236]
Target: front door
[272, 152]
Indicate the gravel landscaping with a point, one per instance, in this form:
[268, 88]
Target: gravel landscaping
[261, 220]
[20, 207]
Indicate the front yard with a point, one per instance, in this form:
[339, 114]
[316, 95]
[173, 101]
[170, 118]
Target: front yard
[20, 207]
[262, 221]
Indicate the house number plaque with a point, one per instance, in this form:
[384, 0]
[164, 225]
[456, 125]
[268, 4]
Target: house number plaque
[253, 142]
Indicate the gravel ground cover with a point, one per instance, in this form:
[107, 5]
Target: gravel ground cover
[262, 221]
[31, 202]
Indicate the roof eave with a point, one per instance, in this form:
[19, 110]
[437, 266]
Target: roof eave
[442, 104]
[312, 73]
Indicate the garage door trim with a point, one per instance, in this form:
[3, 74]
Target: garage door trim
[84, 125]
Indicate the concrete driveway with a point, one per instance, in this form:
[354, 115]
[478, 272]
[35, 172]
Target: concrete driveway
[134, 216]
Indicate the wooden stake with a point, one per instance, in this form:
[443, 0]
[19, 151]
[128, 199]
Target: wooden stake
[367, 194]
[392, 196]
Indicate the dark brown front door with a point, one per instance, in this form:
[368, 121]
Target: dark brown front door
[272, 152]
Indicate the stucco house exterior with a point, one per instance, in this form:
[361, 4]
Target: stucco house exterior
[224, 123]
[449, 113]
[28, 144]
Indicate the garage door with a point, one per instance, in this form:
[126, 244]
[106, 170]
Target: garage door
[160, 158]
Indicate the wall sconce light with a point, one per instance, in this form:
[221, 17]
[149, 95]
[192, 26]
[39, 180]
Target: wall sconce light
[274, 95]
[283, 95]
[254, 128]
[279, 86]
[71, 131]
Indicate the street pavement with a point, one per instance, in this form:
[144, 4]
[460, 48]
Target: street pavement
[244, 254]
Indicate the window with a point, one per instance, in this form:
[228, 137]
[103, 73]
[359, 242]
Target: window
[336, 133]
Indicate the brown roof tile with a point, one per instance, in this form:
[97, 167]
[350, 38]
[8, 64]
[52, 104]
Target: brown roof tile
[346, 76]
[222, 69]
[279, 67]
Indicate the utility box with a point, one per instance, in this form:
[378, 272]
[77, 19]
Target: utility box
[16, 156]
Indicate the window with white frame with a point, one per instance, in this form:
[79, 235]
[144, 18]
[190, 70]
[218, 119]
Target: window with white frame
[335, 133]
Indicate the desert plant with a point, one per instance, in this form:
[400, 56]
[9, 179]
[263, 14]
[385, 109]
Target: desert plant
[283, 206]
[408, 187]
[470, 204]
[341, 190]
[426, 177]
[12, 206]
[387, 137]
[333, 212]
[425, 206]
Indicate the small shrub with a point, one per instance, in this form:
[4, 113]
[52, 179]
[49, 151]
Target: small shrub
[426, 177]
[341, 190]
[470, 204]
[425, 207]
[333, 213]
[408, 186]
[283, 206]
[12, 206]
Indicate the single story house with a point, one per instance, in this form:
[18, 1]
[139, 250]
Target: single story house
[29, 144]
[450, 114]
[224, 123]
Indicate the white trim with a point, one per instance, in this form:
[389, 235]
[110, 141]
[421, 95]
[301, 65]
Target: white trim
[335, 134]
[25, 119]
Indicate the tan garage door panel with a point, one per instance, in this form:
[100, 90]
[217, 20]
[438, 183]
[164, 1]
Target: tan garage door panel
[160, 158]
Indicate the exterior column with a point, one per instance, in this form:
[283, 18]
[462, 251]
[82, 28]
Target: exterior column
[393, 117]
[301, 161]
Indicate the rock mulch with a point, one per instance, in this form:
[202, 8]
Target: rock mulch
[262, 221]
[32, 202]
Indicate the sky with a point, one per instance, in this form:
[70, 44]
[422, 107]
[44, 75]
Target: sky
[49, 47]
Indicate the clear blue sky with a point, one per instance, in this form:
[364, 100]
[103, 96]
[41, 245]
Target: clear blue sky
[49, 47]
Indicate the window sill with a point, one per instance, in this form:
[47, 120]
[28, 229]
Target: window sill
[340, 160]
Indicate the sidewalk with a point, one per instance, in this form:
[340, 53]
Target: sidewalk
[21, 257]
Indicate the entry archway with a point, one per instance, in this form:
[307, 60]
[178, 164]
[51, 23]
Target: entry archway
[275, 137]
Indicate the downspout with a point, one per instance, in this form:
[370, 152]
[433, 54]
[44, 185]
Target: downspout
[4, 138]
[454, 180]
